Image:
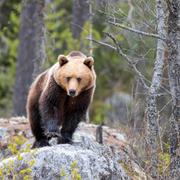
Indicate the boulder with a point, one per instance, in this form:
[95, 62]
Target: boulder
[88, 159]
[118, 111]
[84, 159]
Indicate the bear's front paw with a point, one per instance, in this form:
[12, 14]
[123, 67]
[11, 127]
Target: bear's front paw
[40, 143]
[49, 134]
[64, 140]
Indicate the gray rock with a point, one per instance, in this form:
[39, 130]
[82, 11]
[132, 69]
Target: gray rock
[119, 106]
[3, 132]
[91, 160]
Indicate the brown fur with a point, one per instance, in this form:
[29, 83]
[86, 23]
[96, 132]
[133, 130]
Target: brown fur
[49, 105]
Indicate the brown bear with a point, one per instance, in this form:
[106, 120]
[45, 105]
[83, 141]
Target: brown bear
[60, 96]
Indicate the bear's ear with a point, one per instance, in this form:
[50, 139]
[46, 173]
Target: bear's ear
[89, 61]
[62, 60]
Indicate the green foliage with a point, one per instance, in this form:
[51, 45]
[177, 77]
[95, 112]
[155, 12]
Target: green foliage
[164, 160]
[99, 111]
[9, 30]
[62, 173]
[10, 169]
[59, 36]
[15, 143]
[163, 164]
[74, 172]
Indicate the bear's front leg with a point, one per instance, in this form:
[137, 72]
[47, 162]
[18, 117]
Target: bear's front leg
[69, 126]
[51, 129]
[48, 117]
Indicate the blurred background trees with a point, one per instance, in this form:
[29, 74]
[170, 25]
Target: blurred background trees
[9, 30]
[33, 33]
[61, 26]
[31, 52]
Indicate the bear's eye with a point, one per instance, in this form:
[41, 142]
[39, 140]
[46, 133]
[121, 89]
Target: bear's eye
[79, 79]
[68, 78]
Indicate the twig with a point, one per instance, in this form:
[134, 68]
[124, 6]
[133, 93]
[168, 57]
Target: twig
[136, 31]
[118, 49]
[133, 65]
[102, 43]
[131, 9]
[129, 60]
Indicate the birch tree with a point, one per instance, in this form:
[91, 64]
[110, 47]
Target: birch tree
[152, 112]
[31, 52]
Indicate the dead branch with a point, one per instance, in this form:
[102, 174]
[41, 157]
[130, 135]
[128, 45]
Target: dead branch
[128, 59]
[136, 31]
[102, 43]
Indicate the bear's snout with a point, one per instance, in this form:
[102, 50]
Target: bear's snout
[72, 92]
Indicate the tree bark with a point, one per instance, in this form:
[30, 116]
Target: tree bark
[31, 54]
[1, 2]
[174, 82]
[80, 16]
[152, 129]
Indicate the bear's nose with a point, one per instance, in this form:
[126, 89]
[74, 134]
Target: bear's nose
[72, 92]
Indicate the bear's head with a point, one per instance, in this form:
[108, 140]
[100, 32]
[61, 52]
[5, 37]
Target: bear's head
[75, 73]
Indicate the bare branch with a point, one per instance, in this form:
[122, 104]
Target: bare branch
[129, 60]
[131, 63]
[118, 49]
[136, 31]
[102, 43]
[130, 13]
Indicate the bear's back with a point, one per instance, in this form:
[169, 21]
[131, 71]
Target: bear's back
[76, 54]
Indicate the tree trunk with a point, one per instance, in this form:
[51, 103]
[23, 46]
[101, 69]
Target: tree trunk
[152, 129]
[1, 2]
[174, 82]
[80, 16]
[31, 52]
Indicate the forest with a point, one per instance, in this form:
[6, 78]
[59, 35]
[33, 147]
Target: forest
[136, 49]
